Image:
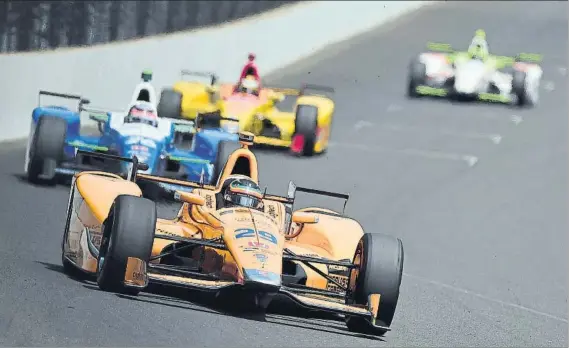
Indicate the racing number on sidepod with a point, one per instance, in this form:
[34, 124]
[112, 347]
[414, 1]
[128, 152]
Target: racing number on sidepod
[248, 232]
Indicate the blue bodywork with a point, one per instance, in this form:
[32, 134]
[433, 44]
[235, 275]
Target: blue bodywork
[162, 155]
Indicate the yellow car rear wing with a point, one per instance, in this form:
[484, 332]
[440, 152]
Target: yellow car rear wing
[212, 77]
[303, 90]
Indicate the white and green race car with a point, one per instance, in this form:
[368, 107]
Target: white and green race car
[475, 74]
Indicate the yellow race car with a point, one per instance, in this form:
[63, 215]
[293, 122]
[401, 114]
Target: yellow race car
[234, 240]
[299, 119]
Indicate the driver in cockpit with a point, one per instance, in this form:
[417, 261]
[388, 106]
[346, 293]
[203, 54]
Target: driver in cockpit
[249, 86]
[240, 191]
[142, 112]
[478, 48]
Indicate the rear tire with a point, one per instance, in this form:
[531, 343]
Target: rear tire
[417, 73]
[46, 150]
[305, 129]
[519, 89]
[224, 150]
[170, 104]
[128, 232]
[380, 272]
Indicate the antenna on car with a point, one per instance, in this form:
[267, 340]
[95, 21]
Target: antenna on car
[202, 175]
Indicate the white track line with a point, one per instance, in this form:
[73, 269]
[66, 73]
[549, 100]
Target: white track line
[486, 298]
[434, 155]
[549, 86]
[495, 138]
[392, 110]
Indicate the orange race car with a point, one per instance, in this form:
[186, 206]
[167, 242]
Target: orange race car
[232, 238]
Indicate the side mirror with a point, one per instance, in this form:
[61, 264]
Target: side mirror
[190, 198]
[301, 217]
[98, 116]
[143, 166]
[84, 101]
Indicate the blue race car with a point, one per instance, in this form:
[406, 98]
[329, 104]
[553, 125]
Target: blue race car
[56, 135]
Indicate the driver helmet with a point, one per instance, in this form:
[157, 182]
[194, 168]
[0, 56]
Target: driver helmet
[478, 48]
[250, 85]
[142, 113]
[146, 75]
[244, 192]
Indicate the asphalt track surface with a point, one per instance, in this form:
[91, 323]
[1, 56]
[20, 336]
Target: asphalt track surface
[484, 236]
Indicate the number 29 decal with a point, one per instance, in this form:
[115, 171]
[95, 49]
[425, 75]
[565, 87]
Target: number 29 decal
[248, 233]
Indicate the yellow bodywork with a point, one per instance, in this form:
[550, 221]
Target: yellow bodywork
[255, 112]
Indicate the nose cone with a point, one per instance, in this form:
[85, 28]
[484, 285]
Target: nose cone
[260, 276]
[466, 84]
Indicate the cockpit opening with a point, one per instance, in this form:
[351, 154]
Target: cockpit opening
[143, 95]
[242, 166]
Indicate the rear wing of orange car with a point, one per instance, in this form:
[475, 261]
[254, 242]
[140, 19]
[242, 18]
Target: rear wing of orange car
[288, 201]
[293, 189]
[136, 165]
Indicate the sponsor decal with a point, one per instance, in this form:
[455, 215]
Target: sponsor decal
[257, 245]
[226, 212]
[162, 231]
[257, 274]
[272, 211]
[262, 258]
[96, 235]
[140, 148]
[249, 233]
[80, 143]
[143, 141]
[209, 201]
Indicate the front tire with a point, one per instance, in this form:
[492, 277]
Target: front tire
[417, 73]
[128, 232]
[519, 89]
[381, 269]
[46, 150]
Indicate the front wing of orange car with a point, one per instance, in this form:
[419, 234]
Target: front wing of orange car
[140, 274]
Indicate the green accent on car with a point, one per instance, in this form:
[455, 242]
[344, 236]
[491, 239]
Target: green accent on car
[146, 75]
[439, 47]
[426, 90]
[184, 128]
[99, 116]
[186, 159]
[494, 97]
[79, 143]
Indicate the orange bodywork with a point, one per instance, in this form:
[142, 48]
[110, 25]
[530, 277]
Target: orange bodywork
[254, 240]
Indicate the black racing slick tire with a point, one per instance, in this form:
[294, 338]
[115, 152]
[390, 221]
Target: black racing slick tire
[170, 104]
[46, 150]
[417, 73]
[519, 89]
[128, 232]
[306, 125]
[224, 150]
[381, 269]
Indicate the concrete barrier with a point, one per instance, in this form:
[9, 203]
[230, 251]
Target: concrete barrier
[106, 74]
